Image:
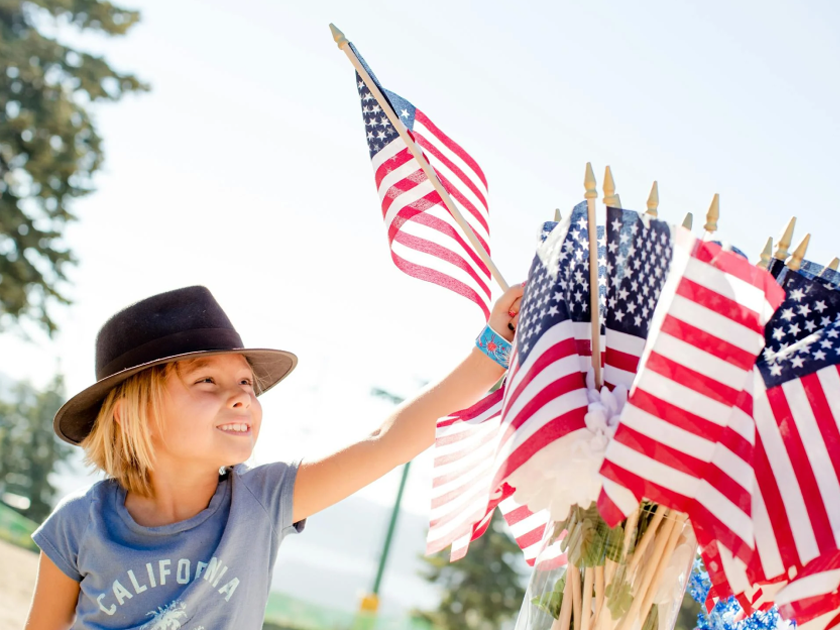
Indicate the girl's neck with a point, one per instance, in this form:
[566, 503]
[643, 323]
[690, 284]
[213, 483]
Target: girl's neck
[175, 497]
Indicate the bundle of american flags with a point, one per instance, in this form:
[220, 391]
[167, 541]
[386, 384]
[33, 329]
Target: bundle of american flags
[730, 420]
[731, 423]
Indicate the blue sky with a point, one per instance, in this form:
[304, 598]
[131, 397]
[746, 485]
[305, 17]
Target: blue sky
[245, 169]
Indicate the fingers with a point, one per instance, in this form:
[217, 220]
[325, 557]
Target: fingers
[513, 311]
[505, 315]
[511, 295]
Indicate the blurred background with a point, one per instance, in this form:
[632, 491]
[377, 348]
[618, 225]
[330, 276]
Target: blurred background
[160, 144]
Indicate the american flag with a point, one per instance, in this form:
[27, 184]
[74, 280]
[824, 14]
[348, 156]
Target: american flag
[476, 449]
[462, 504]
[573, 283]
[828, 277]
[703, 341]
[814, 271]
[638, 254]
[426, 242]
[796, 406]
[545, 394]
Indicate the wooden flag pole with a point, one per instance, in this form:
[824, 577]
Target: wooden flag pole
[591, 195]
[343, 44]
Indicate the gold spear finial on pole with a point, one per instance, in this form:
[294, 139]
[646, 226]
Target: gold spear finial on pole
[338, 36]
[835, 262]
[766, 255]
[610, 198]
[557, 216]
[799, 254]
[653, 201]
[785, 239]
[589, 183]
[712, 216]
[688, 221]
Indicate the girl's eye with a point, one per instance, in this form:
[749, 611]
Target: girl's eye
[205, 380]
[247, 381]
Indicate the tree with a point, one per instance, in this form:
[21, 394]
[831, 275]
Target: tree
[29, 450]
[49, 146]
[481, 591]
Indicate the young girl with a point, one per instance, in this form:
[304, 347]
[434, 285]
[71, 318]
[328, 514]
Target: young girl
[182, 534]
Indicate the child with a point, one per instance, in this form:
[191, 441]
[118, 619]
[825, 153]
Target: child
[182, 534]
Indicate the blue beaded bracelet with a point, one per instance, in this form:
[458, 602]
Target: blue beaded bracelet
[494, 346]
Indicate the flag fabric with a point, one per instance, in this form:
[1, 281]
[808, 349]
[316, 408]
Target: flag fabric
[793, 408]
[545, 393]
[638, 255]
[425, 240]
[477, 449]
[704, 337]
[462, 505]
[575, 285]
[829, 278]
[528, 528]
[464, 450]
[796, 407]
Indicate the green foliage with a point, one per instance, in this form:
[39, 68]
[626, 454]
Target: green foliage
[619, 597]
[589, 540]
[652, 620]
[29, 450]
[687, 617]
[49, 147]
[552, 601]
[482, 590]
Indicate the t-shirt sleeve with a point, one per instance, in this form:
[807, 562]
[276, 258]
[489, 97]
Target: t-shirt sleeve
[60, 536]
[273, 486]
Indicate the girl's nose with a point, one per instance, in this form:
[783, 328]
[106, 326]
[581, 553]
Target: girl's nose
[240, 399]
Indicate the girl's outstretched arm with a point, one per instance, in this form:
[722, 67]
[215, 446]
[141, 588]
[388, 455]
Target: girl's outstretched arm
[54, 602]
[409, 430]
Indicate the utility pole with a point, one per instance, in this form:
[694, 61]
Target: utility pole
[366, 619]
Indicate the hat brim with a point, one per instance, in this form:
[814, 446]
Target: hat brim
[74, 421]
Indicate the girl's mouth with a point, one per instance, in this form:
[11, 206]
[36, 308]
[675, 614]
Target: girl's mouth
[235, 428]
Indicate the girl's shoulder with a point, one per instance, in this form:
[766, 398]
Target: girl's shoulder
[62, 534]
[272, 487]
[73, 513]
[272, 474]
[81, 501]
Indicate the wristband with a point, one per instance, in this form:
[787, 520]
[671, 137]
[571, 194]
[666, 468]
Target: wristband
[494, 346]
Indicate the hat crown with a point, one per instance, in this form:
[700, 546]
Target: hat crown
[165, 325]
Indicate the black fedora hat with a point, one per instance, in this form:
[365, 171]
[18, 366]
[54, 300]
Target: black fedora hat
[171, 326]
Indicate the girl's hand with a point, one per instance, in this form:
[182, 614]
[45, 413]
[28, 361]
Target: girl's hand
[504, 317]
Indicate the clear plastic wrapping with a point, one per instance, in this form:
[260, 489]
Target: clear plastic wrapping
[631, 577]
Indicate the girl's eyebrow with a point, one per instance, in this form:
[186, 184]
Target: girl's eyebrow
[195, 365]
[200, 364]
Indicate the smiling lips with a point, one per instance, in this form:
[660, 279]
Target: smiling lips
[235, 427]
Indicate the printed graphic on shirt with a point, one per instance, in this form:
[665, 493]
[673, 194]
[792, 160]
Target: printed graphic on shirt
[169, 617]
[160, 573]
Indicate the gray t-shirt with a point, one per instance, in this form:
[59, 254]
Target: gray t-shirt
[210, 572]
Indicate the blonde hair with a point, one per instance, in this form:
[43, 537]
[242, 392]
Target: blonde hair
[120, 442]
